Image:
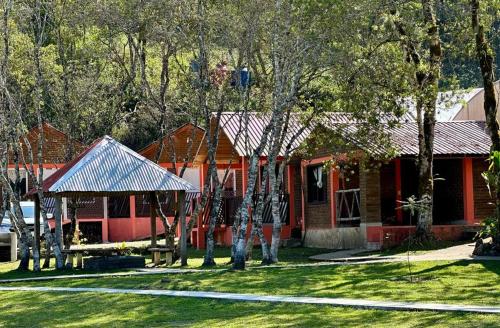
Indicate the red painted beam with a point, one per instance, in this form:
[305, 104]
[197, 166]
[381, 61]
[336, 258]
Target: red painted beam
[291, 194]
[334, 187]
[468, 190]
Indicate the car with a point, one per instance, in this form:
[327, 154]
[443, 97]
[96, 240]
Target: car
[28, 209]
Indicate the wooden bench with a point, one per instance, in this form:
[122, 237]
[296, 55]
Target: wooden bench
[78, 252]
[156, 255]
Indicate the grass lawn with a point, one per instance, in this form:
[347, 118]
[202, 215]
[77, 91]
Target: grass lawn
[195, 259]
[22, 309]
[463, 282]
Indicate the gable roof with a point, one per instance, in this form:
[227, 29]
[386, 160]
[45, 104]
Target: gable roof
[233, 123]
[108, 167]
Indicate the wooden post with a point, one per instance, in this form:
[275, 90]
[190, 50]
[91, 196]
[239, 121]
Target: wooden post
[37, 223]
[302, 197]
[152, 216]
[105, 230]
[13, 246]
[244, 170]
[132, 216]
[291, 193]
[468, 190]
[182, 215]
[58, 221]
[334, 187]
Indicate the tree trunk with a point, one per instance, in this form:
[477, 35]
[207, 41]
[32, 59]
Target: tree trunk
[244, 214]
[484, 54]
[426, 101]
[257, 223]
[214, 211]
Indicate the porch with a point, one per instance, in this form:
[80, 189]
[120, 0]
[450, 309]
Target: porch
[361, 207]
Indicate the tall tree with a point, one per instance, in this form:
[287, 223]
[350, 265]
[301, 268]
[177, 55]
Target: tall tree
[485, 56]
[423, 50]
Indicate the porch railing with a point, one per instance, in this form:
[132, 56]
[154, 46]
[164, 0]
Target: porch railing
[167, 203]
[284, 203]
[348, 207]
[229, 205]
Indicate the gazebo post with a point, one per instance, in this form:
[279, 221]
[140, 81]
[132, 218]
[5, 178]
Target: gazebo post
[58, 220]
[37, 223]
[152, 215]
[182, 215]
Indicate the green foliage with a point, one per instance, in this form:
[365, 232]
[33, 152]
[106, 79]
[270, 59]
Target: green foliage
[489, 228]
[491, 225]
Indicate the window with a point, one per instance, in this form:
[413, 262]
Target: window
[316, 184]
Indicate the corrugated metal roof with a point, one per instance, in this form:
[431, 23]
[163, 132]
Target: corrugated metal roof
[450, 138]
[110, 167]
[233, 123]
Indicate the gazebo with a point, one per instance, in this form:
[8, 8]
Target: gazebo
[108, 168]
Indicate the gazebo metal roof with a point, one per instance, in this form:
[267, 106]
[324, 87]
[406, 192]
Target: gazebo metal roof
[108, 167]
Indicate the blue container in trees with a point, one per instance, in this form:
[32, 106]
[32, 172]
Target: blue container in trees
[244, 77]
[195, 66]
[241, 78]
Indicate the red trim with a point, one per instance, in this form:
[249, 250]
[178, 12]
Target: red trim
[177, 165]
[291, 193]
[319, 160]
[334, 186]
[244, 168]
[468, 190]
[399, 194]
[132, 216]
[303, 219]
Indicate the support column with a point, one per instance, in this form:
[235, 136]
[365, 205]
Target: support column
[105, 230]
[302, 197]
[200, 233]
[291, 194]
[399, 194]
[334, 187]
[58, 221]
[183, 239]
[468, 190]
[152, 217]
[37, 223]
[244, 170]
[132, 216]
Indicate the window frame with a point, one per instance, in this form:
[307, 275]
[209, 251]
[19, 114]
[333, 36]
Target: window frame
[309, 174]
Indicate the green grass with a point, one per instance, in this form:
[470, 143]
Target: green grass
[460, 282]
[465, 282]
[23, 309]
[195, 259]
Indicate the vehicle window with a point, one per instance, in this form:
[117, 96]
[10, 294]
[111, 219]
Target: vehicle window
[28, 211]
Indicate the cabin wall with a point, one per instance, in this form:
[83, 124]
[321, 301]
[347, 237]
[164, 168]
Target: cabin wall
[483, 206]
